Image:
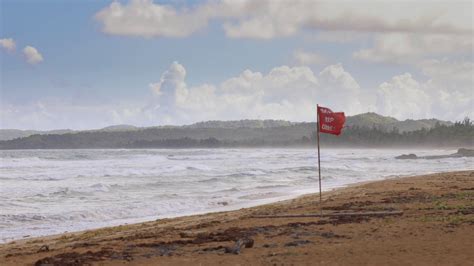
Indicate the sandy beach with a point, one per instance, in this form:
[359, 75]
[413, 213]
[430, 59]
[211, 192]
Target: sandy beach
[435, 228]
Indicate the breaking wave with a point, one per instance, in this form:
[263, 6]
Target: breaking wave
[52, 191]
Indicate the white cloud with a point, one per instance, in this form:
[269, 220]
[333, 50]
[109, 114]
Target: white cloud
[447, 94]
[390, 16]
[451, 86]
[48, 114]
[146, 19]
[403, 96]
[32, 55]
[338, 36]
[8, 44]
[292, 92]
[308, 58]
[410, 48]
[449, 73]
[267, 19]
[171, 79]
[284, 92]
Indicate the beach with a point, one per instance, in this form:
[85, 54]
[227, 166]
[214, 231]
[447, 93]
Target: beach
[434, 228]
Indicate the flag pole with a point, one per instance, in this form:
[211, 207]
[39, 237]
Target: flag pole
[319, 163]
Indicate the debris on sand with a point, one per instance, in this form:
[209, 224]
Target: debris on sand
[236, 248]
[244, 242]
[297, 243]
[43, 248]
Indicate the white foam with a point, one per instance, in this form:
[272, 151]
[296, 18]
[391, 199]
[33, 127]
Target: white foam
[51, 191]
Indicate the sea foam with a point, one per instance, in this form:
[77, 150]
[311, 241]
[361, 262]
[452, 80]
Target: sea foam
[52, 191]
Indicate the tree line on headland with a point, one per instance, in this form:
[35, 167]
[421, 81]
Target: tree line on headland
[216, 134]
[459, 134]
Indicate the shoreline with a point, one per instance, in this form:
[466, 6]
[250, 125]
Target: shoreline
[262, 202]
[205, 237]
[133, 221]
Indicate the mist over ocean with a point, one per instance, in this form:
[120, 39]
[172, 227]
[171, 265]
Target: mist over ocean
[52, 191]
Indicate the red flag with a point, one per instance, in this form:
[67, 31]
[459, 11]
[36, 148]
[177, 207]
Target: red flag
[330, 122]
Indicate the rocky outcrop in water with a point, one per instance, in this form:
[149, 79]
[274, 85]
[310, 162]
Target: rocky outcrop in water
[460, 153]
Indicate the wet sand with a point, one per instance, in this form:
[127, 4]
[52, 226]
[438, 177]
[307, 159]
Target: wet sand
[436, 228]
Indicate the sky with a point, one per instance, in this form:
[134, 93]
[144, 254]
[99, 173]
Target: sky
[90, 64]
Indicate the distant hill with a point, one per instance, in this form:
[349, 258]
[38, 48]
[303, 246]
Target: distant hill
[388, 123]
[369, 120]
[119, 128]
[250, 134]
[242, 124]
[242, 132]
[8, 134]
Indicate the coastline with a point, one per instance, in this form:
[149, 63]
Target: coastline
[260, 202]
[436, 228]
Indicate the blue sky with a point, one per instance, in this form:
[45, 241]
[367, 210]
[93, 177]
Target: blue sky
[96, 70]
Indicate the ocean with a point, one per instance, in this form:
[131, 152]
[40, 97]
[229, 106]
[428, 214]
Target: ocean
[44, 192]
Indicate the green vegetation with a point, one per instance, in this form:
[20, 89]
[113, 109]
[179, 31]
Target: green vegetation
[457, 135]
[442, 205]
[256, 133]
[367, 120]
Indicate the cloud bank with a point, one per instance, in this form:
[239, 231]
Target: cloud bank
[284, 93]
[411, 48]
[267, 19]
[289, 93]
